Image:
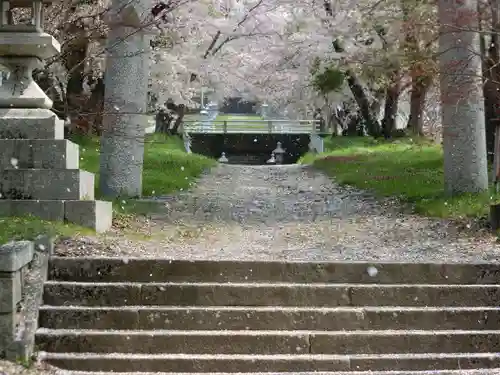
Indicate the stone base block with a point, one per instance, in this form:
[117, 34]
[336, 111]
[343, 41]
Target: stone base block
[87, 213]
[7, 329]
[18, 123]
[47, 184]
[15, 255]
[39, 154]
[51, 210]
[97, 215]
[10, 291]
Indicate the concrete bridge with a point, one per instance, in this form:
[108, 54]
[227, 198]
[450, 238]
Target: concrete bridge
[253, 138]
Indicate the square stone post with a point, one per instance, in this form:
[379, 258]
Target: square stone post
[14, 257]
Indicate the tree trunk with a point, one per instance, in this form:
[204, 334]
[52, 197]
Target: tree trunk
[491, 79]
[181, 111]
[464, 141]
[371, 122]
[492, 91]
[391, 107]
[125, 107]
[420, 87]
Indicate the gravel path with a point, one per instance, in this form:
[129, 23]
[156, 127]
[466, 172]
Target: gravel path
[285, 213]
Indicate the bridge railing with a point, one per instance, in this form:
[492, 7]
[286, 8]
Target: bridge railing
[253, 127]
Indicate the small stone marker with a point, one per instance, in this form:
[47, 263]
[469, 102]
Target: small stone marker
[272, 160]
[223, 158]
[279, 153]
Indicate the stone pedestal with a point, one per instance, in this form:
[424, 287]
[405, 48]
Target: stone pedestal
[14, 257]
[39, 169]
[40, 175]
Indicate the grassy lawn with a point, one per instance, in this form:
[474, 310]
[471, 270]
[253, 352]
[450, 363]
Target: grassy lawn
[28, 227]
[411, 170]
[167, 166]
[167, 169]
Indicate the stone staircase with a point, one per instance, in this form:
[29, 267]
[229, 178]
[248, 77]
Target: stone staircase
[148, 315]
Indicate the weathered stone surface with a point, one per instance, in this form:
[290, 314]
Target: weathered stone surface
[374, 342]
[15, 255]
[268, 342]
[17, 92]
[10, 291]
[172, 342]
[30, 124]
[44, 209]
[429, 372]
[21, 44]
[92, 294]
[465, 165]
[47, 184]
[431, 361]
[93, 214]
[285, 364]
[126, 84]
[58, 317]
[423, 295]
[265, 295]
[186, 364]
[97, 215]
[272, 318]
[7, 329]
[44, 244]
[39, 154]
[23, 347]
[268, 317]
[172, 270]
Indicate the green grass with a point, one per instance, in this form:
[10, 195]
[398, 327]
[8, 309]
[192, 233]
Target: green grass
[167, 169]
[410, 169]
[29, 227]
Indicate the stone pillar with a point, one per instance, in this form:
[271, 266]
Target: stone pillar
[14, 257]
[462, 101]
[39, 169]
[264, 111]
[126, 87]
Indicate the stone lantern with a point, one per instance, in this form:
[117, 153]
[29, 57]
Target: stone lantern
[279, 153]
[223, 158]
[46, 181]
[23, 47]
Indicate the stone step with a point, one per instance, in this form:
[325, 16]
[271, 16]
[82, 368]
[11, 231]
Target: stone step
[167, 270]
[430, 372]
[265, 294]
[39, 153]
[32, 123]
[266, 342]
[268, 318]
[47, 184]
[126, 362]
[97, 215]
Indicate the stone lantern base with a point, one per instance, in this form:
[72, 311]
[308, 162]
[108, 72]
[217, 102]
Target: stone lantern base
[40, 175]
[21, 53]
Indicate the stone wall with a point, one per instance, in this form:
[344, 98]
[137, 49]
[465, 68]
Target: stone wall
[23, 270]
